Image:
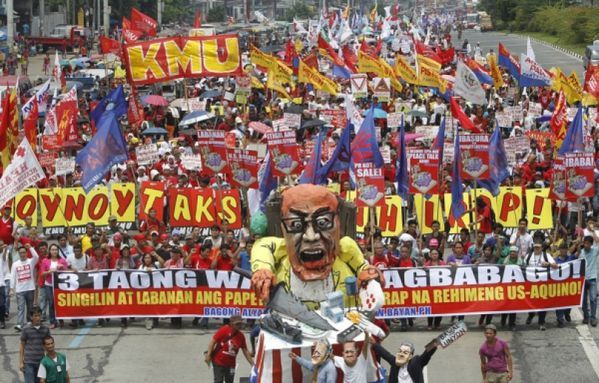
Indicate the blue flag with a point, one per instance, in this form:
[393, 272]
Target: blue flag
[497, 163]
[574, 140]
[402, 165]
[106, 148]
[310, 173]
[364, 147]
[439, 141]
[114, 101]
[341, 157]
[458, 208]
[267, 182]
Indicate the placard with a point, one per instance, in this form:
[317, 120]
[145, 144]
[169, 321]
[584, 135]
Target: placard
[147, 154]
[475, 156]
[191, 161]
[284, 153]
[244, 167]
[453, 333]
[359, 85]
[213, 151]
[580, 176]
[371, 184]
[381, 88]
[394, 119]
[424, 171]
[293, 120]
[64, 166]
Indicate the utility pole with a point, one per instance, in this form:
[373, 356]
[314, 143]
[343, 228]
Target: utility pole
[10, 24]
[159, 13]
[106, 18]
[42, 14]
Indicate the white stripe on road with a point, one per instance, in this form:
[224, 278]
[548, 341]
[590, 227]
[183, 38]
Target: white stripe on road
[586, 339]
[425, 374]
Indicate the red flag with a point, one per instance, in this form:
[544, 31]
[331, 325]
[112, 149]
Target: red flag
[135, 114]
[4, 121]
[426, 51]
[457, 112]
[131, 35]
[311, 60]
[591, 80]
[197, 21]
[30, 123]
[559, 118]
[127, 23]
[143, 22]
[108, 45]
[350, 58]
[446, 56]
[66, 119]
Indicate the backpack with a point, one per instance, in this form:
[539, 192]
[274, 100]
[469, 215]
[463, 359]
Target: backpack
[529, 255]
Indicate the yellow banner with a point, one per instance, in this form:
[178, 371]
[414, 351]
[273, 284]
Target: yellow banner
[171, 58]
[122, 202]
[538, 208]
[495, 72]
[388, 218]
[26, 206]
[405, 71]
[428, 73]
[320, 82]
[369, 64]
[428, 211]
[464, 222]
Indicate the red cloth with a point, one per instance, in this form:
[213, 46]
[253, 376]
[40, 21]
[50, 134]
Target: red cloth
[379, 262]
[6, 229]
[228, 345]
[486, 225]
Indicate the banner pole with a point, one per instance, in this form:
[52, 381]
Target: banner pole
[372, 217]
[474, 210]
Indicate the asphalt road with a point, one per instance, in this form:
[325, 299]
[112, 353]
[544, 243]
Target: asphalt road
[113, 354]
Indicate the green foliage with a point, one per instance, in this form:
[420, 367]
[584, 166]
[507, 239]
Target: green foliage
[300, 11]
[576, 25]
[216, 14]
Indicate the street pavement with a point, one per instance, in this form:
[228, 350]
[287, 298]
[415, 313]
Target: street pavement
[134, 354]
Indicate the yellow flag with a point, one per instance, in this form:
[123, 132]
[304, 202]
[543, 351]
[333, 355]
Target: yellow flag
[428, 72]
[369, 64]
[312, 76]
[256, 83]
[374, 13]
[259, 58]
[495, 72]
[405, 71]
[575, 85]
[12, 129]
[277, 80]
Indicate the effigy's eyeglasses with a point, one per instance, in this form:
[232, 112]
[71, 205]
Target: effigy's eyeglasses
[320, 222]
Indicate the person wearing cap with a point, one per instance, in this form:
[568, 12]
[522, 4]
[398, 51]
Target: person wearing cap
[223, 349]
[589, 253]
[538, 258]
[495, 357]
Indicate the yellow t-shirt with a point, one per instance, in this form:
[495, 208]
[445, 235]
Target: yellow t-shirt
[86, 243]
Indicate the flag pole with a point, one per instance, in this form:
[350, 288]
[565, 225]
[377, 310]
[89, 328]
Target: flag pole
[475, 210]
[372, 218]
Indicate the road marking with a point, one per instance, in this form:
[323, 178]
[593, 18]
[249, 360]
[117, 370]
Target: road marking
[76, 342]
[425, 374]
[586, 339]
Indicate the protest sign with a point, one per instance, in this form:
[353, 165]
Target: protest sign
[64, 166]
[213, 151]
[190, 207]
[429, 132]
[284, 153]
[580, 176]
[359, 85]
[535, 109]
[516, 149]
[50, 142]
[453, 333]
[47, 159]
[424, 171]
[335, 117]
[386, 154]
[475, 156]
[147, 154]
[293, 120]
[166, 59]
[409, 292]
[244, 167]
[557, 189]
[504, 120]
[151, 196]
[26, 206]
[538, 207]
[371, 184]
[541, 138]
[191, 161]
[382, 88]
[23, 171]
[394, 119]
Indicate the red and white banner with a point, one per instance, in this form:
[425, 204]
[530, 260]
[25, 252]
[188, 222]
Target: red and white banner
[371, 185]
[424, 171]
[284, 153]
[213, 151]
[243, 166]
[23, 171]
[580, 176]
[475, 156]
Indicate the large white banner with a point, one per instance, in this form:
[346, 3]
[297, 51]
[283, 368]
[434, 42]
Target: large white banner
[467, 85]
[23, 171]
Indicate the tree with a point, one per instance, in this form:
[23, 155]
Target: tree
[299, 11]
[216, 14]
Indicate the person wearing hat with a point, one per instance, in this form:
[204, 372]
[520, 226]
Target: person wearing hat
[223, 349]
[589, 253]
[495, 357]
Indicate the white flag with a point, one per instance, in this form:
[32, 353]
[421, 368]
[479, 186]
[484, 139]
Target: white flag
[24, 170]
[42, 100]
[467, 85]
[57, 71]
[529, 52]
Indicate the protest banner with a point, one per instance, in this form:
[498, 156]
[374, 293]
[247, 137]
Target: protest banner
[64, 166]
[359, 85]
[284, 153]
[244, 167]
[213, 151]
[47, 159]
[371, 184]
[22, 172]
[580, 176]
[151, 196]
[424, 171]
[191, 161]
[26, 206]
[516, 149]
[394, 119]
[335, 117]
[409, 292]
[122, 204]
[557, 189]
[538, 207]
[388, 216]
[147, 154]
[455, 225]
[293, 120]
[190, 207]
[475, 156]
[429, 132]
[541, 138]
[165, 59]
[428, 210]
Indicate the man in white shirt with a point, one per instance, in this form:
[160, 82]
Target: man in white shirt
[522, 238]
[353, 365]
[539, 258]
[22, 282]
